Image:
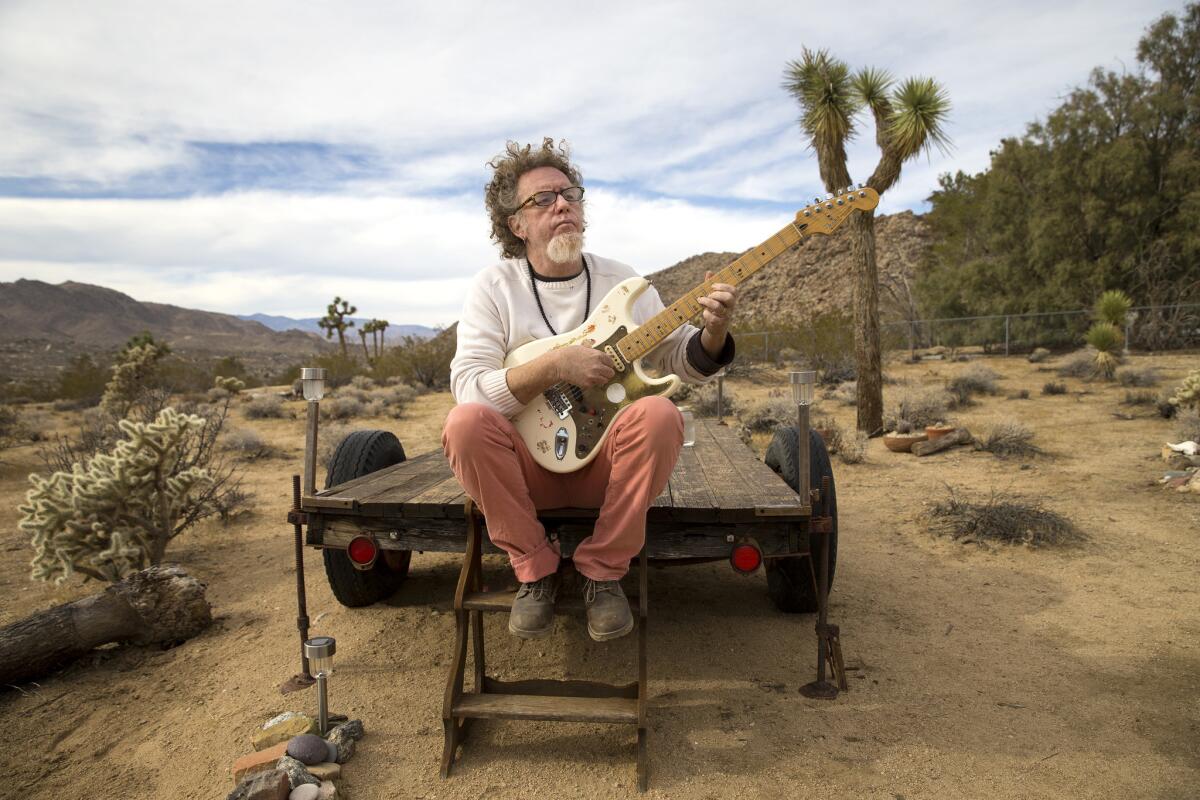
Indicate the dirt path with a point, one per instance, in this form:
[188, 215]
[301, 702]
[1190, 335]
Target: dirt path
[977, 672]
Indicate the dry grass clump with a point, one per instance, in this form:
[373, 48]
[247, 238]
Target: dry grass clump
[363, 383]
[266, 406]
[1054, 387]
[767, 416]
[328, 439]
[1138, 376]
[1080, 364]
[702, 399]
[343, 407]
[845, 393]
[1038, 355]
[247, 444]
[922, 407]
[1139, 399]
[852, 449]
[1011, 438]
[1021, 395]
[1187, 427]
[1000, 517]
[975, 379]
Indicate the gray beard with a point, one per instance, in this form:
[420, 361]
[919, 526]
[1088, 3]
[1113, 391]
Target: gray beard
[565, 248]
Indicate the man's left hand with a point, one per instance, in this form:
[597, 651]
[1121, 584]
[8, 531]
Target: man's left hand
[718, 309]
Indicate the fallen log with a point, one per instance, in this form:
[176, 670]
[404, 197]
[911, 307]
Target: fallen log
[159, 605]
[956, 437]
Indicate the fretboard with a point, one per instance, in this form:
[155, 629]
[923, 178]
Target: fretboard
[664, 323]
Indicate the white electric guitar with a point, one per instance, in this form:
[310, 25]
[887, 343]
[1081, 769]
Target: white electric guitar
[565, 425]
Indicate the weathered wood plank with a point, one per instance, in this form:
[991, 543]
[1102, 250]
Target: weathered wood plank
[617, 710]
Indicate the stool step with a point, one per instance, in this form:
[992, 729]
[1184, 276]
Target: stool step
[568, 603]
[620, 710]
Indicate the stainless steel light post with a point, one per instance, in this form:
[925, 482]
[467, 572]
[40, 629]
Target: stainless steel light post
[319, 650]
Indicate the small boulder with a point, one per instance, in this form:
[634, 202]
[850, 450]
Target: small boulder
[308, 749]
[333, 753]
[262, 761]
[344, 736]
[297, 773]
[326, 771]
[1038, 355]
[284, 730]
[307, 791]
[262, 786]
[328, 791]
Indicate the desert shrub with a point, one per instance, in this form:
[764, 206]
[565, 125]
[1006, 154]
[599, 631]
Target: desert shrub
[1187, 427]
[328, 439]
[135, 386]
[1139, 399]
[342, 408]
[1054, 387]
[1010, 438]
[1021, 395]
[702, 399]
[1038, 355]
[1165, 408]
[82, 381]
[116, 511]
[247, 444]
[788, 355]
[976, 379]
[363, 383]
[11, 429]
[349, 393]
[1112, 306]
[1000, 517]
[232, 504]
[922, 407]
[846, 393]
[1138, 376]
[1187, 394]
[417, 360]
[265, 406]
[1080, 364]
[853, 449]
[766, 417]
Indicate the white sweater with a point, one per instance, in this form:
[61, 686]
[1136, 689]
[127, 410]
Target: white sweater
[500, 314]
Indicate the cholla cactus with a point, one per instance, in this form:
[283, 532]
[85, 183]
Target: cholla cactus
[115, 512]
[129, 376]
[1187, 394]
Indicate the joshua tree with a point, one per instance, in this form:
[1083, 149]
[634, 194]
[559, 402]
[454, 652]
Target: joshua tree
[362, 334]
[376, 328]
[337, 320]
[909, 119]
[381, 326]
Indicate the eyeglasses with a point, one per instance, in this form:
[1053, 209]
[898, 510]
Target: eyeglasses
[572, 194]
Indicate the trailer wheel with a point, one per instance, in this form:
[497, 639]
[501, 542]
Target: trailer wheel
[361, 453]
[792, 582]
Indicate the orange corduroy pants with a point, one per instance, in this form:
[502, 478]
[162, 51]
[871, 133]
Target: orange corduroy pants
[494, 466]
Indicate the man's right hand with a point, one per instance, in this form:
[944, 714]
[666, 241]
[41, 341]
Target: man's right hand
[583, 366]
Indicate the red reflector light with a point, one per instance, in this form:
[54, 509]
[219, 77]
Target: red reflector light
[745, 558]
[362, 550]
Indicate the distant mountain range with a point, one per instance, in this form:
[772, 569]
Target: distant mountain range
[309, 325]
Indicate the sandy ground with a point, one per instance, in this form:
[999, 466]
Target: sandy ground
[998, 672]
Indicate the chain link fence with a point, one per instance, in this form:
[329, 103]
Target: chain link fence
[1158, 327]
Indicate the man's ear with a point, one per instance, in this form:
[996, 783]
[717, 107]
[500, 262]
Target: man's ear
[517, 226]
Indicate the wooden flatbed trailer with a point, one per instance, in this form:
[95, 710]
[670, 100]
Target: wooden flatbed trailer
[721, 503]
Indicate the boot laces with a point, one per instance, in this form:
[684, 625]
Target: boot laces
[541, 589]
[591, 587]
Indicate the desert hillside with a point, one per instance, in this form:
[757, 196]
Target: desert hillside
[811, 279]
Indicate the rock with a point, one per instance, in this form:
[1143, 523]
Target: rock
[344, 736]
[328, 791]
[281, 718]
[333, 753]
[262, 761]
[284, 730]
[263, 786]
[326, 771]
[308, 749]
[307, 791]
[1178, 461]
[297, 773]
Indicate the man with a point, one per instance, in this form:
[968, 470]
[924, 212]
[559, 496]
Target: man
[547, 285]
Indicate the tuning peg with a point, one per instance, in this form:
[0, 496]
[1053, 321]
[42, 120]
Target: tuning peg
[817, 200]
[860, 186]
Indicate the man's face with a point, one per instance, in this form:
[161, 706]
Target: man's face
[537, 226]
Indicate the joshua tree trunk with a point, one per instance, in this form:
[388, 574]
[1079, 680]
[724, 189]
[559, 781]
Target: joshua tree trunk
[159, 605]
[866, 326]
[366, 353]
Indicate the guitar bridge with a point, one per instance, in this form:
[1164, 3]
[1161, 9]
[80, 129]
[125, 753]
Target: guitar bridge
[558, 401]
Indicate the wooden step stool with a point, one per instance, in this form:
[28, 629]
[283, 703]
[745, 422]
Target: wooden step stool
[556, 700]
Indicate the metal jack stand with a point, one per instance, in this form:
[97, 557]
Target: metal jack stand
[829, 646]
[303, 679]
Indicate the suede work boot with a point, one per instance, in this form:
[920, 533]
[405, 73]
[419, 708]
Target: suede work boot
[532, 612]
[608, 614]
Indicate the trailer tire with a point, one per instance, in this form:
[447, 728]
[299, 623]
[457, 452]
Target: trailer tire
[791, 582]
[361, 453]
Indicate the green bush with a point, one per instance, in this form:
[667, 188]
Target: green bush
[1112, 307]
[82, 381]
[418, 361]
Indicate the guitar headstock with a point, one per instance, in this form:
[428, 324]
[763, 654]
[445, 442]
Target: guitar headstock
[824, 216]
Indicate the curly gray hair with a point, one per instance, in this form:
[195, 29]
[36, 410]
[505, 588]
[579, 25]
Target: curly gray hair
[500, 195]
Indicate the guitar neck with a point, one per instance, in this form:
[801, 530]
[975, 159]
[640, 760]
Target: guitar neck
[663, 324]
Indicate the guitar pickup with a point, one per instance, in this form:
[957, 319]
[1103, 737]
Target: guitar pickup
[559, 403]
[618, 362]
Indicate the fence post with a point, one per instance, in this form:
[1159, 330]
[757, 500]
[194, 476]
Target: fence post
[767, 347]
[1006, 318]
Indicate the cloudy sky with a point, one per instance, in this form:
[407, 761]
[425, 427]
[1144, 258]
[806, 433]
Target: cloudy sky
[263, 156]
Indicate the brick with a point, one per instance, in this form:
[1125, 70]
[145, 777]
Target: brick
[262, 761]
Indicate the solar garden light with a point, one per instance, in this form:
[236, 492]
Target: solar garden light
[312, 379]
[319, 651]
[803, 384]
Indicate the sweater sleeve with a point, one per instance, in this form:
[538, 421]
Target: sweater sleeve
[476, 372]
